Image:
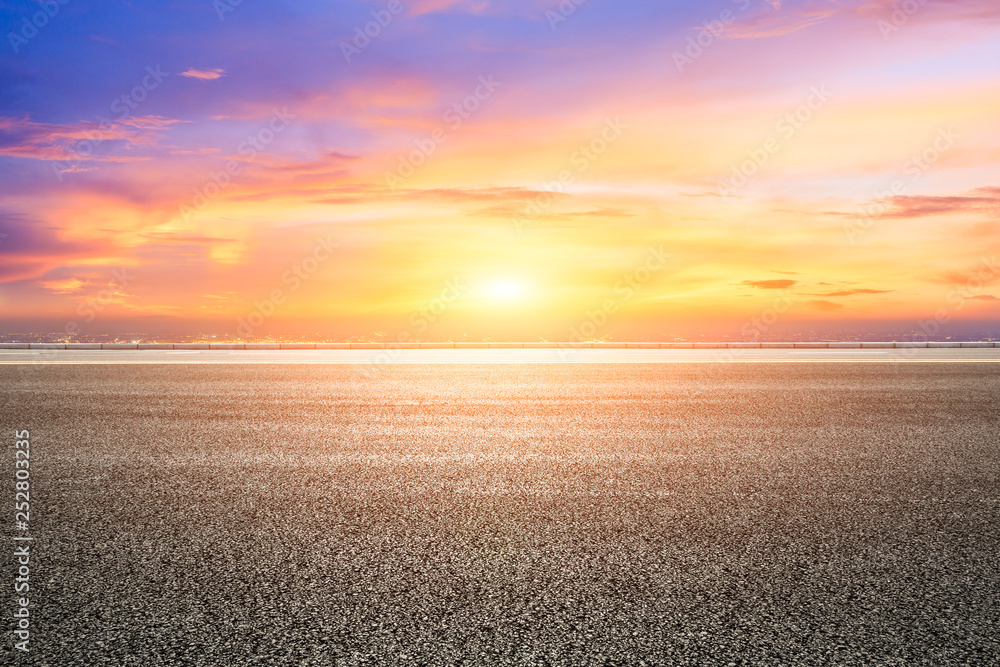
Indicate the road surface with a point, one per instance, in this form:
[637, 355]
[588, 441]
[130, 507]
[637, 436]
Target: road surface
[508, 513]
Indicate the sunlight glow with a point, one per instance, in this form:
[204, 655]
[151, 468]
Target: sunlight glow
[507, 290]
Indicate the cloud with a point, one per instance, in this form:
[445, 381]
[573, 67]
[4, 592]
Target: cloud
[203, 74]
[157, 123]
[781, 20]
[503, 200]
[420, 7]
[603, 212]
[520, 209]
[75, 142]
[770, 284]
[984, 297]
[985, 274]
[329, 162]
[962, 10]
[980, 200]
[824, 305]
[480, 7]
[852, 292]
[338, 155]
[32, 248]
[473, 195]
[67, 286]
[177, 239]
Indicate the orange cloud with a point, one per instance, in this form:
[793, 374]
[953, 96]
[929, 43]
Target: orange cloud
[770, 284]
[825, 305]
[854, 292]
[68, 286]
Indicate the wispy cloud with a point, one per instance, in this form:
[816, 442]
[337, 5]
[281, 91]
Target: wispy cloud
[781, 19]
[21, 137]
[854, 292]
[204, 74]
[958, 278]
[68, 286]
[824, 305]
[770, 284]
[420, 7]
[980, 200]
[968, 10]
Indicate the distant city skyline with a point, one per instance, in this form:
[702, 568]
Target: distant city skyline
[889, 331]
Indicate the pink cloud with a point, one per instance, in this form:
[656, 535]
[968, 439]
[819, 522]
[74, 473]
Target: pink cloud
[21, 137]
[952, 9]
[480, 7]
[203, 74]
[770, 284]
[420, 7]
[784, 18]
[781, 20]
[67, 286]
[980, 200]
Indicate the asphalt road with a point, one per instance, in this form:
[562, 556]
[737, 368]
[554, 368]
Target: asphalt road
[508, 514]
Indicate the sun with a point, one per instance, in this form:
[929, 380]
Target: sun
[507, 290]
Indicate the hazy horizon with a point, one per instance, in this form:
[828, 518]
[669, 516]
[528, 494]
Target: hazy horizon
[788, 331]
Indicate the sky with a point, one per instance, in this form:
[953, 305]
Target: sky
[527, 169]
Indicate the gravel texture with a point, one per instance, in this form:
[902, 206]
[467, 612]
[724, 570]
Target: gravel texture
[509, 514]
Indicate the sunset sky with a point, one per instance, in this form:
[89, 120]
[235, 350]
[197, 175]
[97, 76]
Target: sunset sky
[521, 169]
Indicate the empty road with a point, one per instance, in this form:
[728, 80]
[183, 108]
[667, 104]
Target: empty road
[475, 513]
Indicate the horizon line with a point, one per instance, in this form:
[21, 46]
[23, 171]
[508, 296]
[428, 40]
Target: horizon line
[508, 345]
